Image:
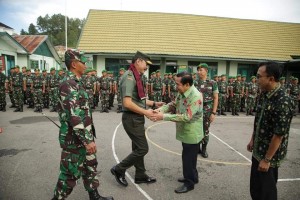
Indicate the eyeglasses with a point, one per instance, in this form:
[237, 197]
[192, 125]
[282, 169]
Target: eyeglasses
[259, 76]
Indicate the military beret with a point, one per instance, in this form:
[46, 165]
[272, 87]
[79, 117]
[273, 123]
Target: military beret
[28, 70]
[121, 69]
[109, 72]
[295, 79]
[75, 54]
[24, 67]
[36, 69]
[52, 68]
[282, 78]
[17, 66]
[215, 75]
[243, 76]
[203, 65]
[44, 70]
[239, 75]
[252, 77]
[152, 73]
[223, 75]
[143, 56]
[157, 71]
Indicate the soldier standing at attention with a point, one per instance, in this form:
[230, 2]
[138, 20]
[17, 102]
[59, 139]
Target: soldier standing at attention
[251, 94]
[77, 133]
[28, 92]
[149, 85]
[282, 83]
[165, 83]
[294, 93]
[119, 99]
[172, 88]
[46, 94]
[223, 94]
[9, 87]
[95, 90]
[236, 94]
[243, 99]
[88, 84]
[2, 91]
[38, 89]
[53, 91]
[112, 90]
[209, 89]
[18, 87]
[24, 78]
[104, 85]
[156, 87]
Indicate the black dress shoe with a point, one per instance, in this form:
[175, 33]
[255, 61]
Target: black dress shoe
[145, 180]
[181, 180]
[120, 178]
[184, 189]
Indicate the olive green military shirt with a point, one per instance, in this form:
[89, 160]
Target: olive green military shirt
[129, 89]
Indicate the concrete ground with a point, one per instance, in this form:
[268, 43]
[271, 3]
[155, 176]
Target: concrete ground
[29, 159]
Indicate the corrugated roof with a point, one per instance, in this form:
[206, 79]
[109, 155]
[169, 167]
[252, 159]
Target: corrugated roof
[188, 35]
[5, 26]
[30, 42]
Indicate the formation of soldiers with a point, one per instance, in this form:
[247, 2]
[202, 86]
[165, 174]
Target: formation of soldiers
[40, 90]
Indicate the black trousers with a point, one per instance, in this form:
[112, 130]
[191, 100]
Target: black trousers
[134, 126]
[189, 163]
[263, 184]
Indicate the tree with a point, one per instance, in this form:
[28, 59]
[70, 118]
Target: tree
[23, 32]
[54, 27]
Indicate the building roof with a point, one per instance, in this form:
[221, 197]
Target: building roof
[32, 43]
[5, 26]
[12, 42]
[166, 34]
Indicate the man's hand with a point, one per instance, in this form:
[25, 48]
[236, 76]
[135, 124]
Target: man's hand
[159, 104]
[149, 113]
[91, 148]
[212, 118]
[250, 145]
[263, 166]
[157, 116]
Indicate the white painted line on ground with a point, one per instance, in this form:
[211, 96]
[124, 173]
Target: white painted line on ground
[231, 147]
[117, 159]
[289, 179]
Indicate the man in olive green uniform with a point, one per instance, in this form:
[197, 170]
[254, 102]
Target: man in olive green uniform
[38, 89]
[134, 106]
[10, 88]
[17, 88]
[209, 89]
[223, 94]
[251, 94]
[236, 94]
[2, 91]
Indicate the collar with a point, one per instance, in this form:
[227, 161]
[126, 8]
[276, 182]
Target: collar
[272, 92]
[188, 92]
[73, 76]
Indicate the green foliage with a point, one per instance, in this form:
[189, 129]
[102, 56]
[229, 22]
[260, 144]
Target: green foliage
[54, 27]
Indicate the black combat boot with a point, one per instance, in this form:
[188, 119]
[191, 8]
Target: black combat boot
[247, 113]
[21, 109]
[17, 110]
[203, 151]
[233, 113]
[12, 106]
[219, 113]
[94, 195]
[223, 113]
[3, 109]
[52, 110]
[36, 110]
[237, 114]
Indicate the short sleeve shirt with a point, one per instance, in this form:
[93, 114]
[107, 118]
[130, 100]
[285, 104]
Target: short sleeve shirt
[129, 89]
[273, 117]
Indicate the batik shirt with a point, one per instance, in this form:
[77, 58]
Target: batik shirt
[273, 117]
[187, 112]
[74, 114]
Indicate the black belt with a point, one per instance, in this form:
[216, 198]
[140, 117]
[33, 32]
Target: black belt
[132, 113]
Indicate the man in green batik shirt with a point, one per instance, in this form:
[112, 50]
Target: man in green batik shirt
[187, 112]
[270, 136]
[76, 134]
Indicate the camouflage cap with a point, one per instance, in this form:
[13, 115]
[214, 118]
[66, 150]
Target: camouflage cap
[223, 75]
[17, 66]
[295, 79]
[174, 74]
[152, 73]
[203, 65]
[143, 56]
[24, 67]
[75, 54]
[243, 76]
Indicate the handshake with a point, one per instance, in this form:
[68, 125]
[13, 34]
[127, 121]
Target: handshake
[155, 115]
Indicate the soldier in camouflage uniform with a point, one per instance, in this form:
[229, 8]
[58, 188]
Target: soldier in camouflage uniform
[223, 94]
[105, 87]
[236, 94]
[150, 81]
[251, 94]
[77, 133]
[53, 89]
[17, 88]
[38, 89]
[112, 90]
[229, 99]
[9, 86]
[282, 83]
[95, 91]
[88, 84]
[243, 99]
[2, 91]
[61, 75]
[24, 78]
[28, 92]
[156, 87]
[209, 89]
[165, 83]
[172, 88]
[294, 93]
[46, 94]
[119, 99]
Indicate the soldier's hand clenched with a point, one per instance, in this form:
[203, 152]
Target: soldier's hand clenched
[91, 148]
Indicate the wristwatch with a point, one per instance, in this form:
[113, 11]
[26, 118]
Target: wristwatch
[153, 106]
[267, 160]
[214, 113]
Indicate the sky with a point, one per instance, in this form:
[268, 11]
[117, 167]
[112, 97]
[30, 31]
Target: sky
[18, 14]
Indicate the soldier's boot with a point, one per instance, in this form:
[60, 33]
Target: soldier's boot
[40, 110]
[17, 109]
[251, 113]
[219, 113]
[4, 109]
[94, 195]
[1, 108]
[119, 109]
[236, 113]
[223, 113]
[52, 110]
[233, 113]
[21, 109]
[12, 106]
[203, 151]
[106, 110]
[36, 110]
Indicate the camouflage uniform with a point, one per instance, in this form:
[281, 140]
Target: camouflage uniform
[294, 94]
[236, 95]
[37, 85]
[46, 98]
[157, 89]
[105, 87]
[222, 86]
[88, 84]
[17, 88]
[165, 94]
[150, 83]
[75, 132]
[112, 91]
[28, 92]
[53, 93]
[251, 91]
[2, 92]
[173, 89]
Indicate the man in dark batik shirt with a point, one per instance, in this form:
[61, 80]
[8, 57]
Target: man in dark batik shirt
[271, 132]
